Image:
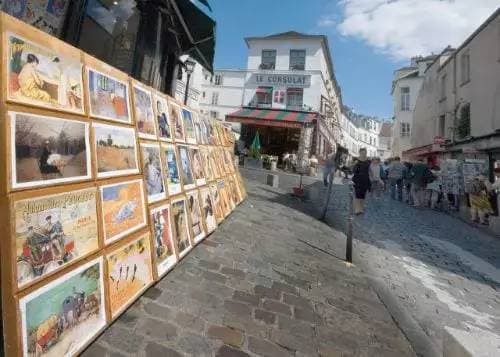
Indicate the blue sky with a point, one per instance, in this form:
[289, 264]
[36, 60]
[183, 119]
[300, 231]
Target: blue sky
[368, 39]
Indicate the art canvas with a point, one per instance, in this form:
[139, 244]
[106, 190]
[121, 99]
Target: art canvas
[39, 76]
[181, 225]
[123, 209]
[109, 97]
[236, 188]
[173, 179]
[198, 171]
[164, 127]
[217, 205]
[163, 239]
[208, 209]
[224, 199]
[229, 160]
[54, 231]
[152, 170]
[213, 160]
[116, 150]
[193, 206]
[47, 150]
[64, 315]
[205, 159]
[143, 109]
[189, 131]
[176, 120]
[185, 167]
[198, 130]
[129, 273]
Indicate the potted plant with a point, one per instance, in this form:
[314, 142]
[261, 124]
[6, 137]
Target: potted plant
[254, 159]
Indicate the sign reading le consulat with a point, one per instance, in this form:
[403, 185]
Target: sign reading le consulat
[288, 80]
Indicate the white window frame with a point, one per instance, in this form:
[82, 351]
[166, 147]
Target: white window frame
[296, 52]
[465, 67]
[215, 98]
[218, 79]
[405, 131]
[405, 99]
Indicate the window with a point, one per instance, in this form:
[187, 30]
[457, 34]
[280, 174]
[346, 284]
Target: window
[405, 130]
[214, 114]
[218, 80]
[298, 60]
[294, 98]
[268, 59]
[264, 95]
[203, 95]
[442, 127]
[215, 98]
[443, 87]
[463, 127]
[465, 67]
[405, 99]
[279, 96]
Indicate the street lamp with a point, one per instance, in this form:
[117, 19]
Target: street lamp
[189, 67]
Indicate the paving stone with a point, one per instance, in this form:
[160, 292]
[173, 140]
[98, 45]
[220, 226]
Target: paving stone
[267, 292]
[331, 351]
[266, 348]
[156, 350]
[293, 342]
[153, 293]
[195, 345]
[189, 321]
[205, 298]
[266, 316]
[284, 287]
[229, 336]
[211, 276]
[158, 311]
[129, 318]
[158, 330]
[295, 327]
[233, 272]
[297, 301]
[96, 350]
[277, 307]
[210, 243]
[251, 299]
[226, 351]
[219, 290]
[208, 264]
[122, 339]
[245, 324]
[307, 315]
[237, 308]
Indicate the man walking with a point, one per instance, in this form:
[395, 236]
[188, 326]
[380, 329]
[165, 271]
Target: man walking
[396, 173]
[418, 177]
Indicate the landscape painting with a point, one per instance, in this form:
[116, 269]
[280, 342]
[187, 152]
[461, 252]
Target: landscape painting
[53, 231]
[123, 209]
[152, 170]
[46, 150]
[181, 233]
[129, 273]
[109, 97]
[198, 172]
[193, 206]
[189, 131]
[116, 150]
[143, 109]
[163, 119]
[176, 120]
[208, 210]
[39, 76]
[163, 239]
[64, 315]
[173, 179]
[186, 171]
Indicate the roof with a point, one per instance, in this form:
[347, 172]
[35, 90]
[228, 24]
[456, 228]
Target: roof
[386, 130]
[271, 117]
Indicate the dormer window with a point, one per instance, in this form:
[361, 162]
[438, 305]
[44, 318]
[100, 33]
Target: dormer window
[268, 59]
[297, 60]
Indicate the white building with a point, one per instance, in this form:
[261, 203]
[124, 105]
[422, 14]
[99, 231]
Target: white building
[385, 141]
[288, 93]
[195, 83]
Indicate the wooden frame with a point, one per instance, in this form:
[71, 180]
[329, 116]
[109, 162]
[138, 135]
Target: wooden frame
[172, 188]
[158, 196]
[140, 92]
[181, 252]
[163, 99]
[200, 233]
[185, 171]
[167, 264]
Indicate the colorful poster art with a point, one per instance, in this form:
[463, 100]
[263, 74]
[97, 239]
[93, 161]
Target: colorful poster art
[224, 200]
[217, 205]
[116, 150]
[208, 210]
[64, 315]
[186, 171]
[152, 170]
[213, 162]
[198, 130]
[130, 273]
[109, 97]
[16, 8]
[198, 171]
[53, 231]
[181, 233]
[187, 117]
[144, 117]
[38, 76]
[193, 206]
[205, 159]
[229, 161]
[123, 209]
[173, 179]
[163, 119]
[47, 151]
[163, 239]
[176, 120]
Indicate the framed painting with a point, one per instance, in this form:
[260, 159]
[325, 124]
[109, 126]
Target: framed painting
[109, 97]
[123, 209]
[213, 162]
[181, 225]
[171, 169]
[63, 316]
[198, 128]
[41, 77]
[176, 120]
[189, 130]
[185, 167]
[143, 111]
[229, 161]
[208, 209]
[152, 170]
[217, 205]
[163, 239]
[205, 159]
[130, 272]
[53, 231]
[164, 125]
[194, 211]
[115, 150]
[198, 171]
[224, 200]
[47, 150]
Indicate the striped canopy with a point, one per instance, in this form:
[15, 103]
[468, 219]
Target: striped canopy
[271, 117]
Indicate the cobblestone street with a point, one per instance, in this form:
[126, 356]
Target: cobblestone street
[268, 282]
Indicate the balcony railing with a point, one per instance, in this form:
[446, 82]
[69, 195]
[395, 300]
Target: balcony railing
[180, 87]
[268, 66]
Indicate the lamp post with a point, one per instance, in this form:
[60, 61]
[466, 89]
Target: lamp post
[189, 67]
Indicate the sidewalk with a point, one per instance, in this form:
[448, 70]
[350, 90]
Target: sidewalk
[268, 282]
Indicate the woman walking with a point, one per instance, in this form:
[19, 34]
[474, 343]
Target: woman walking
[361, 179]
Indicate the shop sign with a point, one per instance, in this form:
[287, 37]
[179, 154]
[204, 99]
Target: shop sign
[286, 80]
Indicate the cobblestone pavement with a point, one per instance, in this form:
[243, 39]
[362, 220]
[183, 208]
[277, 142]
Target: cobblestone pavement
[267, 283]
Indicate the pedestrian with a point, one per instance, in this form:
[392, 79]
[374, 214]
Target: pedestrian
[385, 178]
[361, 180]
[376, 177]
[396, 172]
[329, 168]
[407, 183]
[419, 179]
[479, 200]
[434, 189]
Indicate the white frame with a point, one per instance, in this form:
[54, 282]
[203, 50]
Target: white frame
[165, 266]
[203, 234]
[147, 91]
[202, 196]
[176, 107]
[159, 196]
[176, 188]
[159, 98]
[179, 165]
[188, 249]
[202, 181]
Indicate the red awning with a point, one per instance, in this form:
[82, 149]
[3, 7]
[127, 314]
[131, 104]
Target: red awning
[264, 90]
[271, 117]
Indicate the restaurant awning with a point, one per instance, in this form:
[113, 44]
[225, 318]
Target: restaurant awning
[271, 117]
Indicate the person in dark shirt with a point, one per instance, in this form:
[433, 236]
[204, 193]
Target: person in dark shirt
[361, 179]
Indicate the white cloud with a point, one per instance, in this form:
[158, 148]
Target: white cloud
[405, 28]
